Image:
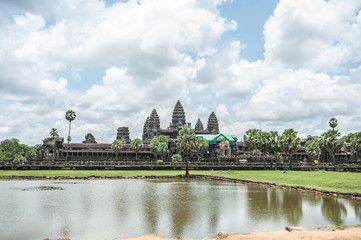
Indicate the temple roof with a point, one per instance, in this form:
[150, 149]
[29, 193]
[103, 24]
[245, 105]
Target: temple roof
[214, 138]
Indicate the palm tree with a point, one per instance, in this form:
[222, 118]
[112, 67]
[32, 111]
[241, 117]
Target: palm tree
[264, 139]
[54, 133]
[252, 139]
[186, 143]
[159, 146]
[313, 149]
[289, 143]
[117, 147]
[136, 145]
[331, 143]
[333, 123]
[273, 147]
[356, 143]
[201, 145]
[70, 116]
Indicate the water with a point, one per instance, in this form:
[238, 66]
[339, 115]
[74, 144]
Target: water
[99, 209]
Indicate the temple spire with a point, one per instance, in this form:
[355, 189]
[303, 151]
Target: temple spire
[212, 125]
[151, 127]
[178, 116]
[199, 125]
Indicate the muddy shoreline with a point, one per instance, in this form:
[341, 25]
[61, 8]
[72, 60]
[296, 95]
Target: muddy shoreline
[352, 232]
[347, 195]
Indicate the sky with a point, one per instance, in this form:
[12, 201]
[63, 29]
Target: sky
[265, 64]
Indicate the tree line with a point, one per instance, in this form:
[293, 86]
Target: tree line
[186, 144]
[317, 148]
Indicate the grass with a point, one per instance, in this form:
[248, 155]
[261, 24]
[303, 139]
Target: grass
[331, 181]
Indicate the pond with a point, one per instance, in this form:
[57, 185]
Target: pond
[180, 208]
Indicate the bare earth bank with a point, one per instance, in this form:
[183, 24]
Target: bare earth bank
[349, 233]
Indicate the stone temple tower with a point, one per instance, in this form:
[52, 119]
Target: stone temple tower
[123, 135]
[146, 126]
[178, 117]
[151, 126]
[212, 125]
[199, 125]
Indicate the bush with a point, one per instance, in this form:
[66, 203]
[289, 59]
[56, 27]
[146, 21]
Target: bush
[176, 158]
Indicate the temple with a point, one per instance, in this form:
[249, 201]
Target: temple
[152, 128]
[222, 147]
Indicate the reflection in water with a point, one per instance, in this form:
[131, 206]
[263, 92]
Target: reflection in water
[292, 206]
[181, 208]
[358, 211]
[334, 210]
[271, 204]
[150, 206]
[170, 208]
[211, 203]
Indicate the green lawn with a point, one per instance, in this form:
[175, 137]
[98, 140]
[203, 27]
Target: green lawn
[332, 181]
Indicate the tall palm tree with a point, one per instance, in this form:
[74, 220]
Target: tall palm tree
[356, 143]
[273, 147]
[331, 143]
[186, 143]
[136, 145]
[289, 143]
[264, 139]
[201, 145]
[70, 116]
[117, 147]
[333, 123]
[159, 146]
[313, 149]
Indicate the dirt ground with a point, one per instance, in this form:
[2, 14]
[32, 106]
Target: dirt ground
[350, 233]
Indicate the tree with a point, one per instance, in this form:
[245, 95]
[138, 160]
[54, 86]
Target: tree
[186, 143]
[331, 143]
[289, 143]
[54, 133]
[313, 149]
[70, 116]
[333, 123]
[264, 140]
[13, 151]
[159, 146]
[252, 138]
[349, 137]
[257, 140]
[273, 146]
[356, 143]
[117, 147]
[136, 145]
[201, 145]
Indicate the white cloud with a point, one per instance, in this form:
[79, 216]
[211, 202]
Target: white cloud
[155, 52]
[314, 34]
[145, 48]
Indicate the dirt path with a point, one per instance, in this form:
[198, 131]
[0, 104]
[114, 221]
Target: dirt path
[350, 233]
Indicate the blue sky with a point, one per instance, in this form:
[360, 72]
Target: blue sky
[263, 64]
